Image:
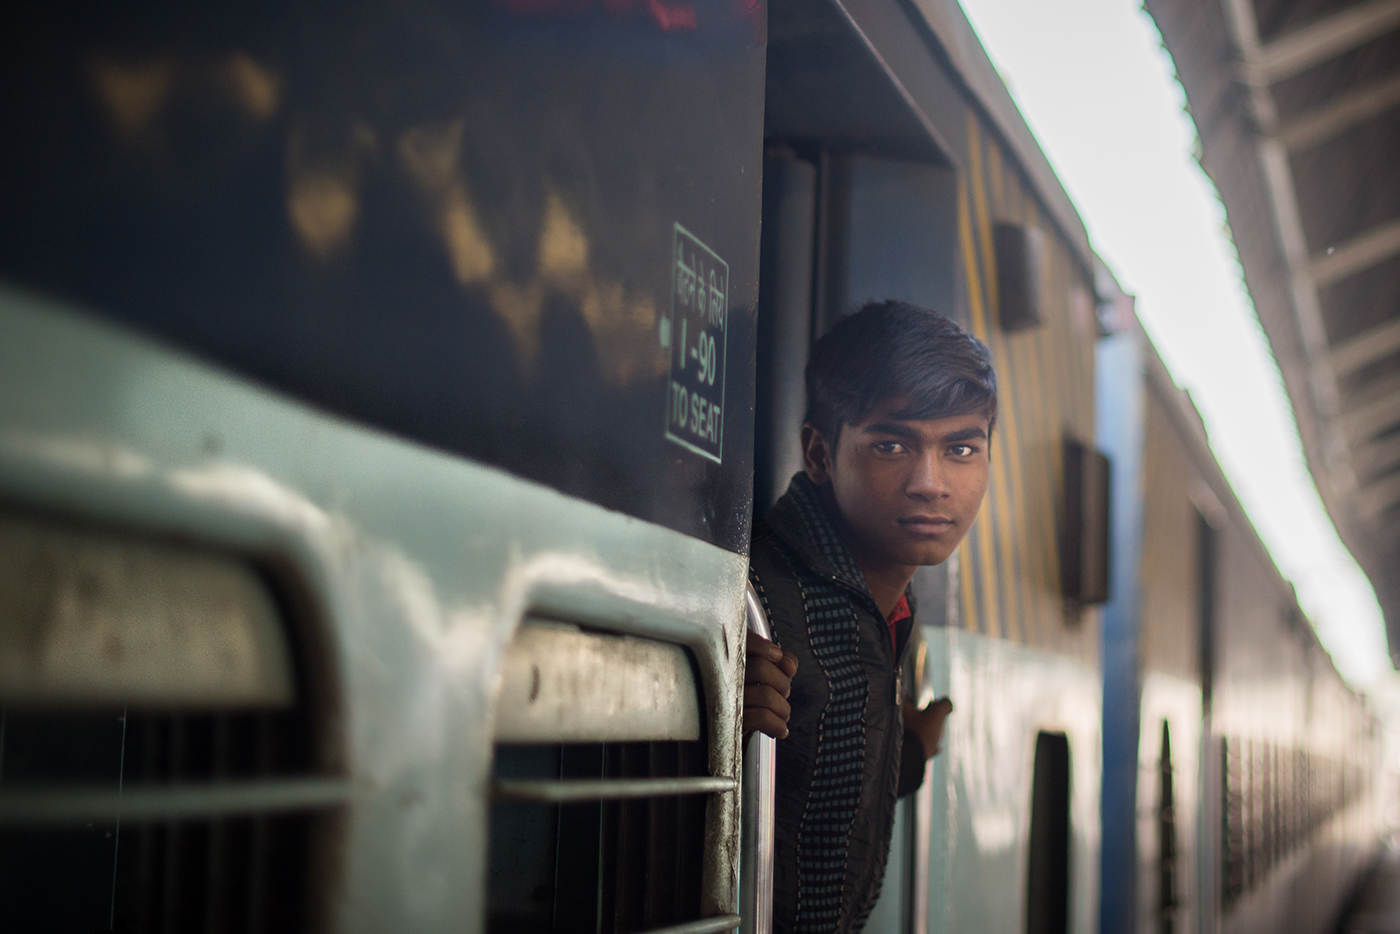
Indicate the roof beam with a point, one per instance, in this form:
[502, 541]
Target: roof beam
[1373, 418]
[1340, 114]
[1329, 447]
[1380, 496]
[1377, 456]
[1366, 348]
[1368, 248]
[1323, 40]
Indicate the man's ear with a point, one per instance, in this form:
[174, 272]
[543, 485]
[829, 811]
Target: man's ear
[816, 456]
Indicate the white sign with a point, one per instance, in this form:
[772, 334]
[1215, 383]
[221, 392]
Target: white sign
[695, 333]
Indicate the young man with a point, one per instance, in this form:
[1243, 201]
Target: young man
[901, 403]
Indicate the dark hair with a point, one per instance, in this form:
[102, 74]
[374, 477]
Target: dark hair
[887, 350]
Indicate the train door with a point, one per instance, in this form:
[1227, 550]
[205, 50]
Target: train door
[859, 205]
[841, 229]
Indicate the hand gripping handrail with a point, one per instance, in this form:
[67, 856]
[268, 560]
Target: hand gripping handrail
[756, 809]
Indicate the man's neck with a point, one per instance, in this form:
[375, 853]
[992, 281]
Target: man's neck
[886, 582]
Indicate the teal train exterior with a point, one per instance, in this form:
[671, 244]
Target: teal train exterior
[386, 391]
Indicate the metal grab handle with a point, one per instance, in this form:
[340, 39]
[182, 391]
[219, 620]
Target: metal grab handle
[756, 809]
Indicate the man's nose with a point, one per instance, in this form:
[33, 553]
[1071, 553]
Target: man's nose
[928, 479]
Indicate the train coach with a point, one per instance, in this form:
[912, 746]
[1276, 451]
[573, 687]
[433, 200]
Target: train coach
[1240, 771]
[385, 394]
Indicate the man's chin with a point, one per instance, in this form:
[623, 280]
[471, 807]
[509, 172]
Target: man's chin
[925, 557]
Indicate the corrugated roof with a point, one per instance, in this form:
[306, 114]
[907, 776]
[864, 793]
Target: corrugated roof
[1297, 104]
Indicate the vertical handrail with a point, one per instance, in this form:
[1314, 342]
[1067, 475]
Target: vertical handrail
[756, 809]
[917, 674]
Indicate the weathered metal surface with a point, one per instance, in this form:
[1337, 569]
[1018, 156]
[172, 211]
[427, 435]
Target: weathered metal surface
[93, 618]
[415, 568]
[449, 220]
[561, 685]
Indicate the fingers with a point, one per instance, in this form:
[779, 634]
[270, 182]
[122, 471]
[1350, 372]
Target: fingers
[765, 721]
[758, 647]
[768, 671]
[928, 723]
[765, 709]
[788, 663]
[764, 697]
[762, 671]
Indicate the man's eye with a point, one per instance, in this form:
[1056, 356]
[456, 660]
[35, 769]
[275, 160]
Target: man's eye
[962, 450]
[889, 447]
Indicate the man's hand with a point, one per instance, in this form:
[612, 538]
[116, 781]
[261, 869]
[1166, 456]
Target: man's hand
[768, 672]
[927, 724]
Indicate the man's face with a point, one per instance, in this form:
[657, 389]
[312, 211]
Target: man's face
[908, 490]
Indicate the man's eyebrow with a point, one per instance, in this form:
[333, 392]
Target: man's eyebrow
[898, 429]
[965, 434]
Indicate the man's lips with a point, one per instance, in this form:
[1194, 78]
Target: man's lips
[927, 525]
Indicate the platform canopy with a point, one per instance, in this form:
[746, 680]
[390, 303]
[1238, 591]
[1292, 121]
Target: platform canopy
[1297, 104]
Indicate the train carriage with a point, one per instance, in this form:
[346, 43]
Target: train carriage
[386, 391]
[1244, 771]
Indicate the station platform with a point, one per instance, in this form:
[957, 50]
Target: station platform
[1375, 907]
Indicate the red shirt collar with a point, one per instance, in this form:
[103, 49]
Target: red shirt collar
[898, 615]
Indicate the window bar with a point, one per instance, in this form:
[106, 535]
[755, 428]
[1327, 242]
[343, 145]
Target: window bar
[215, 855]
[170, 883]
[257, 850]
[703, 926]
[575, 790]
[146, 853]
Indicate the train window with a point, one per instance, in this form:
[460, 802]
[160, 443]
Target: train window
[1020, 253]
[600, 785]
[1205, 556]
[1047, 877]
[157, 741]
[1166, 837]
[600, 863]
[1084, 545]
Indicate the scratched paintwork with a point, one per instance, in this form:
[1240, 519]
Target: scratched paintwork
[419, 567]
